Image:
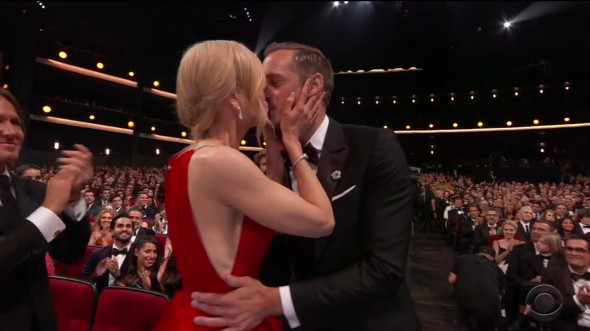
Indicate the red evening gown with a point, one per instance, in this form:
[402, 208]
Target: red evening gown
[196, 270]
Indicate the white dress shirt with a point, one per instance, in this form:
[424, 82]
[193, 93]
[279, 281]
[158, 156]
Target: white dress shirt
[48, 223]
[584, 317]
[317, 141]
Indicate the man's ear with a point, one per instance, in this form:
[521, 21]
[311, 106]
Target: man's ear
[316, 85]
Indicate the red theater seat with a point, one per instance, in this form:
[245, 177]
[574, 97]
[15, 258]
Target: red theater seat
[145, 306]
[73, 300]
[74, 270]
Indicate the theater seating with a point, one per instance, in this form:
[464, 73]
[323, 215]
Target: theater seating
[146, 307]
[74, 301]
[74, 270]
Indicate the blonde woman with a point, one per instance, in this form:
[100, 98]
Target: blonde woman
[222, 211]
[504, 246]
[102, 235]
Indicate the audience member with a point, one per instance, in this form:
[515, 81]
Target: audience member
[102, 235]
[488, 228]
[504, 246]
[106, 264]
[143, 266]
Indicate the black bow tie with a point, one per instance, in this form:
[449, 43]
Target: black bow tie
[119, 251]
[308, 149]
[576, 277]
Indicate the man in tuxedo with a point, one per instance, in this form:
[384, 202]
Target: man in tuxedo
[105, 265]
[526, 223]
[140, 227]
[452, 214]
[583, 227]
[35, 219]
[467, 230]
[93, 207]
[573, 282]
[479, 284]
[488, 228]
[118, 208]
[522, 274]
[148, 211]
[354, 278]
[105, 196]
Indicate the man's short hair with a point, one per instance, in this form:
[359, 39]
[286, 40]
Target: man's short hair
[308, 61]
[135, 208]
[12, 99]
[124, 215]
[21, 169]
[575, 236]
[550, 224]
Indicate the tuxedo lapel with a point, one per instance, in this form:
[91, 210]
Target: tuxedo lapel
[330, 169]
[332, 159]
[568, 285]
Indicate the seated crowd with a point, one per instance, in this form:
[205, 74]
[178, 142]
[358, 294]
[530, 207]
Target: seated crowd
[511, 237]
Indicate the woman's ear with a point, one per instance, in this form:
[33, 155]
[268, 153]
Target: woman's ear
[136, 252]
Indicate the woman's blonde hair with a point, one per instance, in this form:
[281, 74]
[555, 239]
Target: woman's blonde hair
[553, 240]
[210, 72]
[510, 223]
[99, 217]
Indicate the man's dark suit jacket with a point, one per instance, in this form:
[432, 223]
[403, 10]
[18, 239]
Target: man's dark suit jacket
[481, 235]
[25, 295]
[560, 277]
[149, 212]
[94, 209]
[94, 259]
[467, 233]
[520, 265]
[521, 233]
[354, 278]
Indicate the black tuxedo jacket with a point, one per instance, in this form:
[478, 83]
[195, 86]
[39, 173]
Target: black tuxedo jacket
[520, 265]
[520, 231]
[481, 235]
[559, 276]
[120, 212]
[25, 295]
[149, 212]
[94, 209]
[467, 232]
[94, 259]
[354, 278]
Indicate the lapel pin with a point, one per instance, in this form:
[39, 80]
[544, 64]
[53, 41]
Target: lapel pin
[336, 174]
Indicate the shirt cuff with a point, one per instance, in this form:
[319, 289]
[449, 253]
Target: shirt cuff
[580, 306]
[288, 308]
[76, 210]
[49, 224]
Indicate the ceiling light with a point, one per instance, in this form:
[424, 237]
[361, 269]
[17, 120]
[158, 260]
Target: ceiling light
[91, 117]
[431, 99]
[408, 127]
[56, 145]
[156, 83]
[107, 151]
[472, 97]
[509, 123]
[480, 124]
[452, 98]
[507, 24]
[5, 86]
[566, 119]
[542, 150]
[131, 124]
[535, 121]
[336, 3]
[494, 95]
[157, 151]
[46, 109]
[455, 125]
[100, 65]
[131, 74]
[413, 100]
[515, 93]
[63, 54]
[541, 91]
[385, 126]
[183, 134]
[431, 125]
[243, 142]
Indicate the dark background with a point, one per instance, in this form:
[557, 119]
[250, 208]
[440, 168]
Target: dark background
[460, 47]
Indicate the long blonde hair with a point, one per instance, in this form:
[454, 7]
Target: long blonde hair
[210, 72]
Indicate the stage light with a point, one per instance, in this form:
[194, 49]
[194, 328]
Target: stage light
[541, 91]
[566, 86]
[509, 123]
[507, 24]
[131, 124]
[408, 127]
[472, 97]
[431, 152]
[431, 99]
[46, 109]
[107, 151]
[5, 86]
[153, 128]
[480, 124]
[394, 101]
[431, 125]
[157, 151]
[542, 150]
[100, 65]
[376, 102]
[131, 74]
[342, 101]
[566, 119]
[535, 121]
[515, 93]
[183, 134]
[452, 98]
[156, 83]
[243, 142]
[56, 145]
[336, 3]
[91, 117]
[264, 143]
[455, 125]
[413, 100]
[385, 126]
[494, 95]
[63, 55]
[358, 102]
